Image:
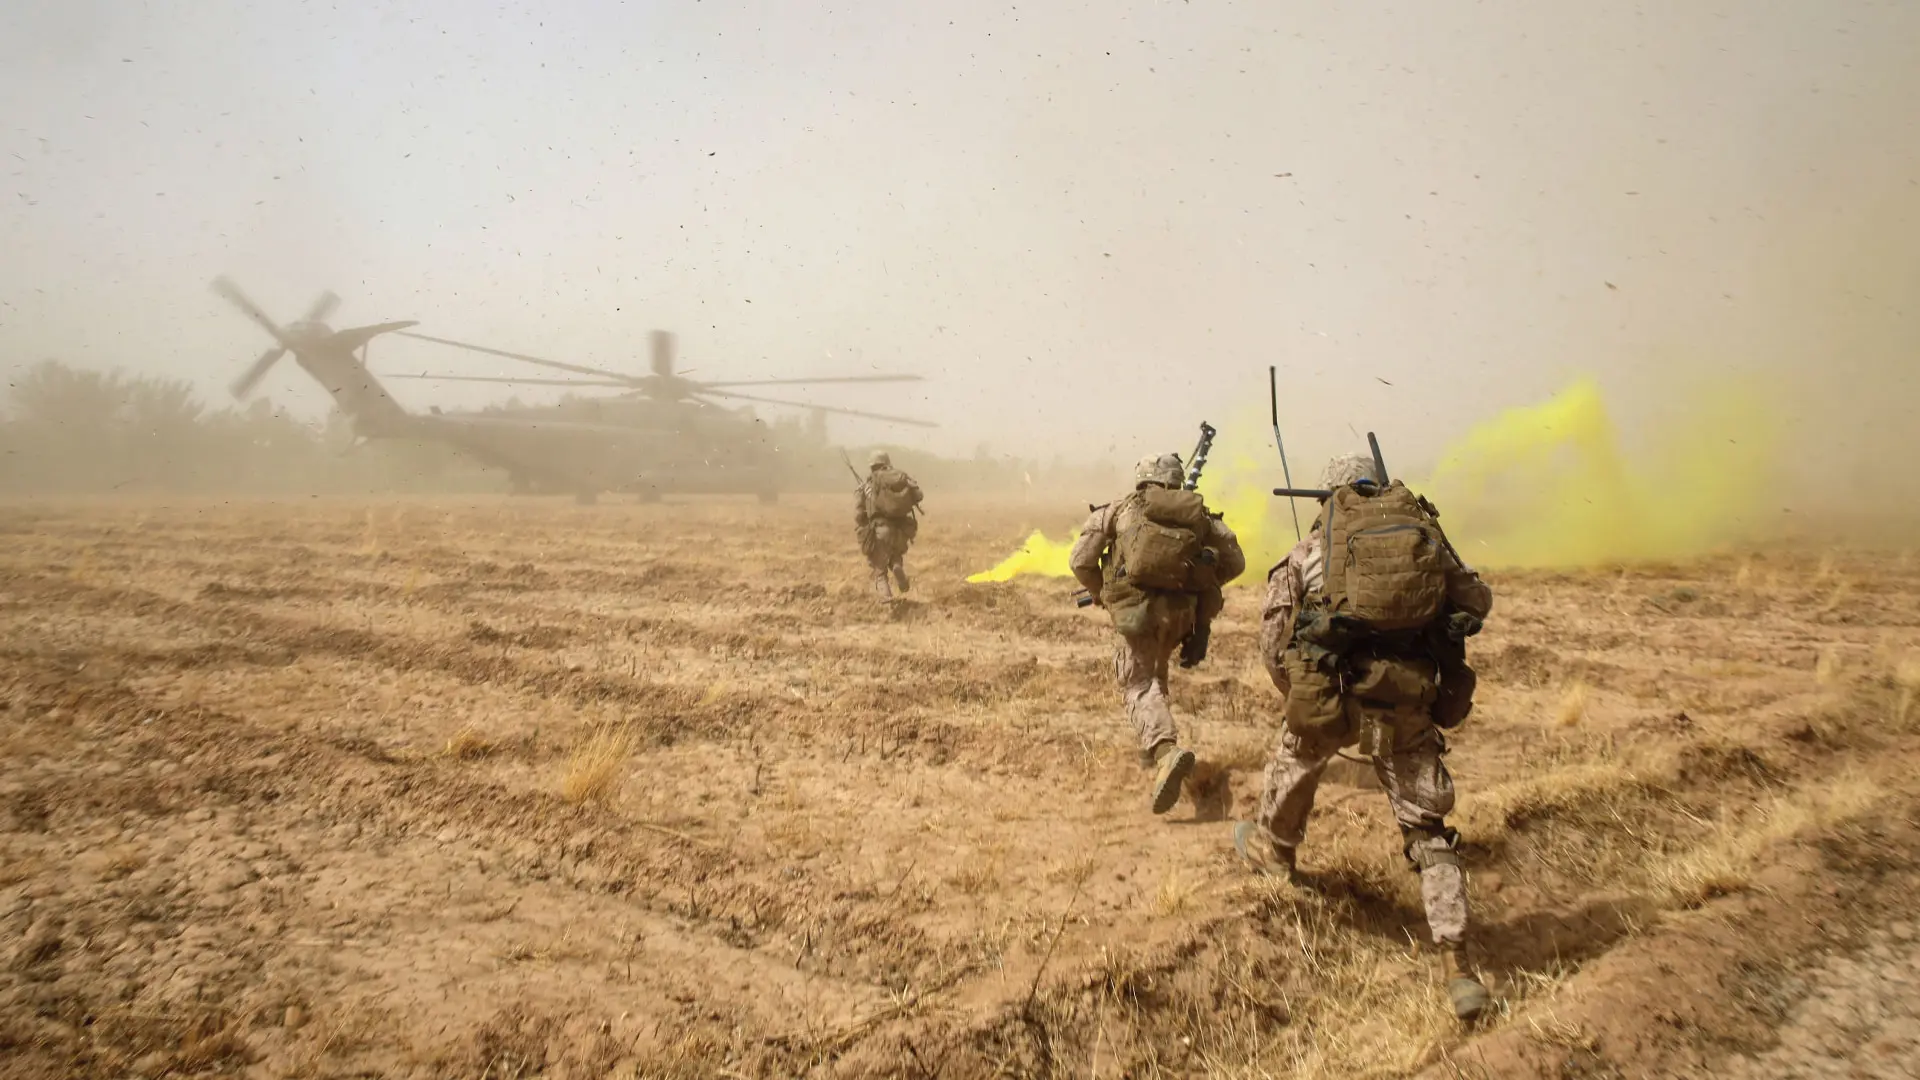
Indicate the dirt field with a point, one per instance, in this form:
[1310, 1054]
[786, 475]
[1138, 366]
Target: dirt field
[516, 787]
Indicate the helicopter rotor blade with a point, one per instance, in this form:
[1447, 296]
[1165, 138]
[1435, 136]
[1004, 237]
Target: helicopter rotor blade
[826, 408]
[506, 379]
[818, 379]
[244, 385]
[323, 307]
[578, 369]
[231, 293]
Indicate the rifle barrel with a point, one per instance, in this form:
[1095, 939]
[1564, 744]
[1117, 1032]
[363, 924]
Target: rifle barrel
[1197, 461]
[1301, 493]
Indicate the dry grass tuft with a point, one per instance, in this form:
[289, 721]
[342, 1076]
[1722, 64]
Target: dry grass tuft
[1513, 804]
[1573, 706]
[1386, 1021]
[1175, 895]
[1842, 592]
[979, 873]
[794, 836]
[1551, 1030]
[1906, 680]
[595, 771]
[1828, 669]
[1724, 861]
[468, 744]
[1072, 871]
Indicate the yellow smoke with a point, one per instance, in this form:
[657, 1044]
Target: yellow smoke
[1038, 555]
[1550, 484]
[1537, 486]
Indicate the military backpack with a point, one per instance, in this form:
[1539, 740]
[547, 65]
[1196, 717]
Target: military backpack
[1160, 539]
[892, 494]
[1361, 640]
[1382, 560]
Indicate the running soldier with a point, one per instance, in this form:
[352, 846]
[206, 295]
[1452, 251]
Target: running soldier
[1155, 559]
[885, 518]
[1369, 651]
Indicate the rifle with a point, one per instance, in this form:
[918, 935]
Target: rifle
[1197, 461]
[1194, 648]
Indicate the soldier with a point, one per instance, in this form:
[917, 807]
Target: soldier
[1388, 692]
[884, 519]
[1154, 559]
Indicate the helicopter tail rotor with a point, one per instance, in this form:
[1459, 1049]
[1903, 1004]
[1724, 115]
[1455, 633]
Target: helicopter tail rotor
[660, 344]
[250, 378]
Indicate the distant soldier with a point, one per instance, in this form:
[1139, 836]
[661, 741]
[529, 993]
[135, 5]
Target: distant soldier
[1369, 650]
[884, 519]
[1155, 560]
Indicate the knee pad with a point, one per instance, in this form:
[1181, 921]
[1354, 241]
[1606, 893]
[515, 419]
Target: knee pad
[1422, 853]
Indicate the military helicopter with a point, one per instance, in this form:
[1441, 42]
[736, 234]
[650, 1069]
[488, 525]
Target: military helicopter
[662, 438]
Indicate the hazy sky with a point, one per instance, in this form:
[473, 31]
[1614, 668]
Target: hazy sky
[1089, 224]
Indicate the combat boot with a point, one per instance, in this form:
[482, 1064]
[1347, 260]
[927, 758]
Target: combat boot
[882, 588]
[900, 577]
[1261, 852]
[1470, 999]
[1173, 764]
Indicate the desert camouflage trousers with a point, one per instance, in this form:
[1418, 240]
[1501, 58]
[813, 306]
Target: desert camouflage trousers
[1140, 665]
[885, 545]
[1419, 789]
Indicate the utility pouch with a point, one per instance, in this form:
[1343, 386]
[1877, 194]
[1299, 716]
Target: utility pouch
[1130, 608]
[1393, 682]
[1315, 708]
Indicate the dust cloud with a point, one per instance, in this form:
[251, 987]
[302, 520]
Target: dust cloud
[1089, 227]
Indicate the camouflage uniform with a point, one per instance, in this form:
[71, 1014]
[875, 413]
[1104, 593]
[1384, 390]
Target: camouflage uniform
[884, 540]
[1142, 660]
[1418, 785]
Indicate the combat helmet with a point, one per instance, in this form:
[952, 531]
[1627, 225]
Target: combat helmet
[880, 459]
[1347, 469]
[1163, 469]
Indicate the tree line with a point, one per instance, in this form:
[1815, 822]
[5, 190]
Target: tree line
[72, 430]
